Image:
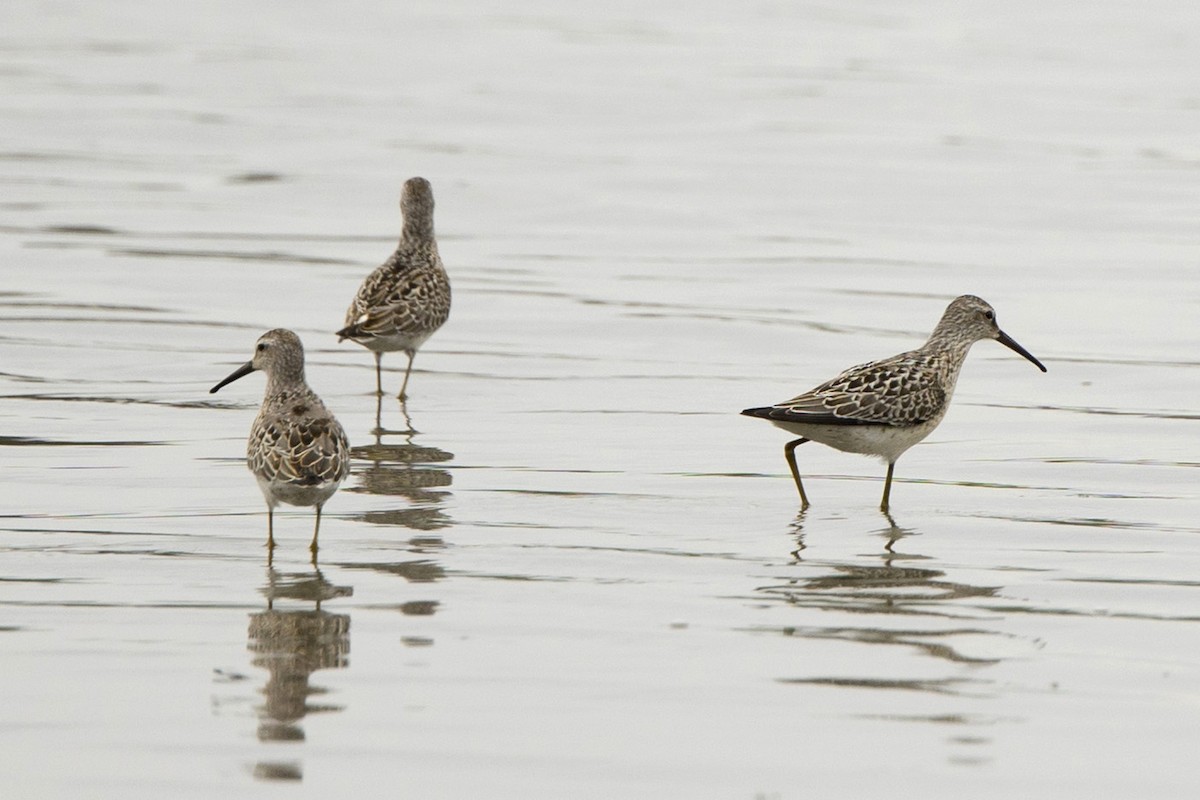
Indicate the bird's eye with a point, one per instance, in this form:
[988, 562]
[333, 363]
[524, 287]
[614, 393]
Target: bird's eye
[991, 315]
[261, 346]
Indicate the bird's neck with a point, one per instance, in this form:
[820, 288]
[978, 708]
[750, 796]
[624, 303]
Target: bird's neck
[947, 338]
[947, 353]
[292, 380]
[417, 230]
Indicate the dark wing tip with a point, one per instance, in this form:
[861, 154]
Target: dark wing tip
[786, 414]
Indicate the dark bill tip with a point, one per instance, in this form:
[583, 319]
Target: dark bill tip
[240, 372]
[1011, 343]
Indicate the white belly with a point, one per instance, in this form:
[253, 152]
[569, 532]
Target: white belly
[395, 342]
[296, 494]
[886, 441]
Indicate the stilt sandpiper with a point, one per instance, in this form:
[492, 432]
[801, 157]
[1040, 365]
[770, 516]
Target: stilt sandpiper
[882, 408]
[407, 298]
[297, 450]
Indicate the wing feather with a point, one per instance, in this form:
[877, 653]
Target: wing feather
[408, 295]
[310, 449]
[903, 390]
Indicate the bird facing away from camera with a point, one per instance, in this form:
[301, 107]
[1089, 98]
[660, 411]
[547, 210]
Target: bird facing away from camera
[407, 298]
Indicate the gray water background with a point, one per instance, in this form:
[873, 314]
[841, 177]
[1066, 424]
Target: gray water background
[570, 568]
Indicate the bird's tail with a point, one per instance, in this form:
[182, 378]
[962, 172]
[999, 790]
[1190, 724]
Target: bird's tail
[349, 332]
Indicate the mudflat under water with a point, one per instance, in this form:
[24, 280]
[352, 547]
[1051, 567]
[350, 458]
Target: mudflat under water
[568, 567]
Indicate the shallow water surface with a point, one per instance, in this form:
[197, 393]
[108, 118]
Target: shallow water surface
[567, 566]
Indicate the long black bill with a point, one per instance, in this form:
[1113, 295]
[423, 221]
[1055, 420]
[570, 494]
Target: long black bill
[248, 367]
[1003, 339]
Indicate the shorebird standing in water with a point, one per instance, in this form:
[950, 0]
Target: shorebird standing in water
[297, 450]
[407, 298]
[882, 408]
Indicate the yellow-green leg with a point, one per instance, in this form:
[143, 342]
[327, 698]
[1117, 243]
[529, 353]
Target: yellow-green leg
[270, 535]
[404, 386]
[887, 488]
[316, 531]
[789, 452]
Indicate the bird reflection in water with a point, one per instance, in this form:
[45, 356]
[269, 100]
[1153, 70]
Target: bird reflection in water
[292, 644]
[893, 533]
[891, 583]
[403, 469]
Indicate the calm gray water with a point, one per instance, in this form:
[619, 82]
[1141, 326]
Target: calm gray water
[569, 568]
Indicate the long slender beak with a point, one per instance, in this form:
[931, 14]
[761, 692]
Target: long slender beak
[248, 367]
[1003, 338]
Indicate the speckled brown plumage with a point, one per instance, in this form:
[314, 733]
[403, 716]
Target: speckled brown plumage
[406, 299]
[867, 394]
[306, 449]
[297, 450]
[884, 407]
